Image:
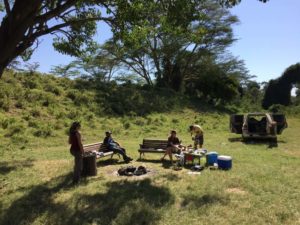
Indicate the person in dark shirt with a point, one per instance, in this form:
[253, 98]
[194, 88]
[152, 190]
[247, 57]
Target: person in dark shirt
[76, 150]
[114, 146]
[173, 146]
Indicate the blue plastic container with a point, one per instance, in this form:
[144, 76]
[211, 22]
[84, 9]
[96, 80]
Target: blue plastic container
[211, 158]
[224, 162]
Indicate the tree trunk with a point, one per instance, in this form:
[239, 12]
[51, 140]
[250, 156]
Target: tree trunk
[13, 29]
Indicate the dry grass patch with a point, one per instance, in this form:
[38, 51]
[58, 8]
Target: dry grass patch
[236, 191]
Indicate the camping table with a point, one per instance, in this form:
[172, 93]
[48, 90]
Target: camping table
[192, 155]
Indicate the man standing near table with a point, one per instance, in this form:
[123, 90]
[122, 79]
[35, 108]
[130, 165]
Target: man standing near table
[197, 135]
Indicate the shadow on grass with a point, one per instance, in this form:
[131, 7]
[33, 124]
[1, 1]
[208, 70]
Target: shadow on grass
[269, 142]
[109, 162]
[165, 163]
[207, 199]
[123, 202]
[7, 167]
[171, 177]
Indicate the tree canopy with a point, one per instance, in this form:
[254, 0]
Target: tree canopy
[278, 91]
[71, 21]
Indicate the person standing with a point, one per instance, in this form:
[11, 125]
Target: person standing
[114, 146]
[76, 150]
[197, 135]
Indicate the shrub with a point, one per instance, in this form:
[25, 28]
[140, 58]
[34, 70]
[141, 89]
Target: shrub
[175, 121]
[32, 82]
[89, 116]
[73, 114]
[7, 122]
[60, 124]
[71, 94]
[140, 122]
[20, 139]
[53, 88]
[15, 129]
[44, 131]
[33, 123]
[35, 112]
[20, 103]
[126, 125]
[5, 103]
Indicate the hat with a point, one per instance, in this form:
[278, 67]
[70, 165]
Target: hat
[108, 132]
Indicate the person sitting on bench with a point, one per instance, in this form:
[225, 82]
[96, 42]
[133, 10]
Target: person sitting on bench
[173, 146]
[114, 146]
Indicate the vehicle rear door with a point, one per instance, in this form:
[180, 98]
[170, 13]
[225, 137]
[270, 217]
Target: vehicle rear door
[236, 123]
[281, 122]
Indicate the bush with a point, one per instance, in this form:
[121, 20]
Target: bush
[20, 103]
[31, 83]
[60, 124]
[140, 122]
[175, 121]
[73, 114]
[44, 131]
[72, 94]
[33, 123]
[89, 116]
[35, 112]
[5, 103]
[7, 122]
[34, 95]
[53, 88]
[15, 129]
[20, 139]
[126, 125]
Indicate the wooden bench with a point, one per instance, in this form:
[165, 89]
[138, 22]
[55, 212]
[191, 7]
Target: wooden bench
[153, 146]
[99, 148]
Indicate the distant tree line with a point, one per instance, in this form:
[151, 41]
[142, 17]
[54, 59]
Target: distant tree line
[278, 91]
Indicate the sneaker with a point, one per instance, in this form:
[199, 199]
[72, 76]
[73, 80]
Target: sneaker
[128, 160]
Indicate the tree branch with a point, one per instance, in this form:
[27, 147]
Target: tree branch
[55, 12]
[62, 25]
[7, 8]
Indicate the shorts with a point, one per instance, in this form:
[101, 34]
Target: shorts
[199, 139]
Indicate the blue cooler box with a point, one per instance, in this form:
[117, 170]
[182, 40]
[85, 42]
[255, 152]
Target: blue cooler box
[224, 162]
[211, 158]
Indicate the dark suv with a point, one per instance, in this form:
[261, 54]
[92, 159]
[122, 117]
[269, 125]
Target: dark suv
[258, 125]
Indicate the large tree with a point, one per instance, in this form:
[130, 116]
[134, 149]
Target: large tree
[165, 40]
[71, 21]
[278, 91]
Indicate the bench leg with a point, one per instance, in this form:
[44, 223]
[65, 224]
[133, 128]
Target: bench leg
[141, 154]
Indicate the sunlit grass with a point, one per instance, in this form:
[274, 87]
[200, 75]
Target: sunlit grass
[261, 188]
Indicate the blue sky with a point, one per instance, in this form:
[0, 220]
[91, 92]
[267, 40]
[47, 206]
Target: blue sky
[268, 38]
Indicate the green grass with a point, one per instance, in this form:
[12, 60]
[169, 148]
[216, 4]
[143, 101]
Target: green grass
[261, 188]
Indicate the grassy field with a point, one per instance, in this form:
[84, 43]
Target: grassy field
[262, 187]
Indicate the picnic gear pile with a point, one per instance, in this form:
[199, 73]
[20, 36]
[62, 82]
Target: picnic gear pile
[93, 153]
[213, 160]
[132, 171]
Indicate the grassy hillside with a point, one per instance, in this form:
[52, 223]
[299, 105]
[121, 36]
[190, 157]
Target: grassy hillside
[35, 165]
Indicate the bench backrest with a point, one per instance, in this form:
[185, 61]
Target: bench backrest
[156, 144]
[95, 147]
